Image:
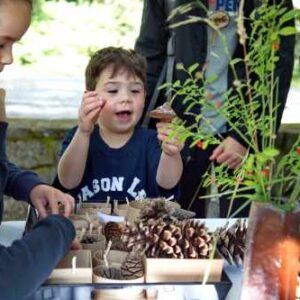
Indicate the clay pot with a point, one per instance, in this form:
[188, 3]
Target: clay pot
[272, 255]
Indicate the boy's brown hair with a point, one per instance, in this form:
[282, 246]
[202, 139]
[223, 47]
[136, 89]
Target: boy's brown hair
[118, 59]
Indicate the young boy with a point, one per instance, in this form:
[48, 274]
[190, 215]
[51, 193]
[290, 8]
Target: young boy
[106, 155]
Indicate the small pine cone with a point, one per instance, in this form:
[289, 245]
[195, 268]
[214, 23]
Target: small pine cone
[112, 230]
[196, 241]
[231, 242]
[132, 267]
[155, 209]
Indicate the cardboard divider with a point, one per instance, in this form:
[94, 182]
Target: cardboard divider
[65, 272]
[94, 207]
[182, 270]
[121, 210]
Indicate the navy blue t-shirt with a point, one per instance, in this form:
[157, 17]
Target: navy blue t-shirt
[129, 171]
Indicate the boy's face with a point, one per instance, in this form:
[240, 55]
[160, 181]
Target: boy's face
[125, 98]
[14, 21]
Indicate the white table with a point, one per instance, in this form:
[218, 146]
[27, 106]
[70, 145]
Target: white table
[12, 230]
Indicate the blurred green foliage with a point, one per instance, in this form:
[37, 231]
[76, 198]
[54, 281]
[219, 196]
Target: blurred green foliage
[64, 34]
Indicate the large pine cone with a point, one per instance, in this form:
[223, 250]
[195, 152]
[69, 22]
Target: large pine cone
[231, 242]
[176, 239]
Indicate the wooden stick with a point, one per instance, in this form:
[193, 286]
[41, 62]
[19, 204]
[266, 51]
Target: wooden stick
[74, 262]
[106, 253]
[170, 198]
[91, 228]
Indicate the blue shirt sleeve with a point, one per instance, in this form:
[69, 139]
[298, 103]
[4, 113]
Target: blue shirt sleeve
[28, 262]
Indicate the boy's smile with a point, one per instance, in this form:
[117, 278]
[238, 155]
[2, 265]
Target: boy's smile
[125, 96]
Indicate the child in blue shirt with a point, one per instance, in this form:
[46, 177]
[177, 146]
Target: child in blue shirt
[107, 155]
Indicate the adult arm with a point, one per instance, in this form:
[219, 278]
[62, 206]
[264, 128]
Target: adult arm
[28, 262]
[152, 40]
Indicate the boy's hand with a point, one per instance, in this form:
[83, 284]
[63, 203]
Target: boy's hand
[230, 153]
[89, 111]
[170, 146]
[43, 196]
[75, 245]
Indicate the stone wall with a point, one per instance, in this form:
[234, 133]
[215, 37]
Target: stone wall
[35, 144]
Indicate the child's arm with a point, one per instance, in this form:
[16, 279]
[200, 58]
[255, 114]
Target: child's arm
[71, 165]
[170, 165]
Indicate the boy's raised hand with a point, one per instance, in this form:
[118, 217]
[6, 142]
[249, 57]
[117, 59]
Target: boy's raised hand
[89, 110]
[171, 145]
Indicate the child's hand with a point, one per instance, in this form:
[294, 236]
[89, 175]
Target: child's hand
[170, 146]
[89, 111]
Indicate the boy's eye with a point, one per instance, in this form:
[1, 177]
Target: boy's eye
[114, 91]
[135, 91]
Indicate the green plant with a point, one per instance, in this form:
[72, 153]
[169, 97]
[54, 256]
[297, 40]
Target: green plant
[251, 109]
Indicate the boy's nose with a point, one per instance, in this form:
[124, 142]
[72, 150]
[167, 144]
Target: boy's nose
[6, 57]
[125, 97]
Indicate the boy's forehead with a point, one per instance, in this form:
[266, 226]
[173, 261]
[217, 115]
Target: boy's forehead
[110, 73]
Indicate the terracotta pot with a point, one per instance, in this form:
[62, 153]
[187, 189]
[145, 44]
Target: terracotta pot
[272, 255]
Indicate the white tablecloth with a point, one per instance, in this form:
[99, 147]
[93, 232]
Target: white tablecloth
[12, 230]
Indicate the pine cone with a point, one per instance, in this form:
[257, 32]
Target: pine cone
[182, 214]
[113, 232]
[177, 239]
[155, 209]
[197, 239]
[132, 267]
[231, 242]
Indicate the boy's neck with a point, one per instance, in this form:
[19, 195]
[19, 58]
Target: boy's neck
[115, 140]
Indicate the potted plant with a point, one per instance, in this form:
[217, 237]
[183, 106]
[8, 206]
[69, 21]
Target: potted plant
[268, 179]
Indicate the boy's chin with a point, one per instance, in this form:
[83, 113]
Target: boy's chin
[124, 129]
